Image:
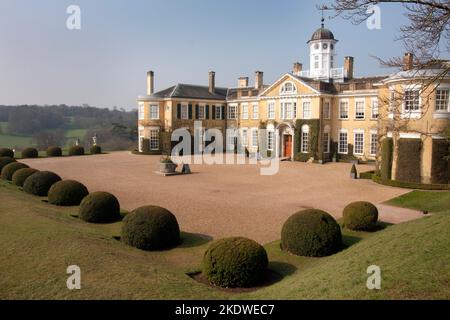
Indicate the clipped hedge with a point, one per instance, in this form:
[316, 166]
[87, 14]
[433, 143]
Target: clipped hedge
[11, 168]
[21, 175]
[360, 216]
[409, 160]
[367, 175]
[439, 163]
[39, 183]
[150, 228]
[408, 185]
[67, 193]
[54, 152]
[387, 153]
[30, 153]
[312, 233]
[100, 207]
[76, 151]
[5, 161]
[235, 262]
[95, 150]
[5, 152]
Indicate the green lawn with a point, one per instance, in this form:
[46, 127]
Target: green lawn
[38, 241]
[423, 200]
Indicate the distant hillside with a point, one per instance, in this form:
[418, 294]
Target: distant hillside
[62, 125]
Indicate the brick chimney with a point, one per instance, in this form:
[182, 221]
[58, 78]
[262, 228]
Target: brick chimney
[348, 67]
[212, 81]
[150, 82]
[408, 61]
[297, 69]
[243, 82]
[259, 80]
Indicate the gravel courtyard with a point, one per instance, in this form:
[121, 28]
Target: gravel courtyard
[227, 200]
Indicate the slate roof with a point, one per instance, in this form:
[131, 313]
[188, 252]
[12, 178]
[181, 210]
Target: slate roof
[189, 91]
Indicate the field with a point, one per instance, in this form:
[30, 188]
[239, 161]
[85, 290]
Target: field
[38, 241]
[22, 141]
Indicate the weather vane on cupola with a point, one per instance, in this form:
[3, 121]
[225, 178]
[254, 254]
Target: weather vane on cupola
[323, 8]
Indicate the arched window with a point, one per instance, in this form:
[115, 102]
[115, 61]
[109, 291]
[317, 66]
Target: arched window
[305, 139]
[288, 88]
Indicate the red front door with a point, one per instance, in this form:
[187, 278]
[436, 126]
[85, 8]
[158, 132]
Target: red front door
[288, 146]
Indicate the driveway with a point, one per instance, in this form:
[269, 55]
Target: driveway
[228, 200]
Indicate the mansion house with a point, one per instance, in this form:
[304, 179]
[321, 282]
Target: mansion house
[321, 114]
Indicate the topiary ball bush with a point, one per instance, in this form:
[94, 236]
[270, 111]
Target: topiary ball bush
[76, 151]
[5, 152]
[360, 216]
[100, 207]
[54, 152]
[235, 262]
[151, 228]
[312, 233]
[67, 193]
[21, 175]
[30, 153]
[5, 160]
[9, 169]
[39, 183]
[96, 150]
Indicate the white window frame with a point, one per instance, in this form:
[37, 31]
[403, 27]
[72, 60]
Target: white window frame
[154, 140]
[232, 112]
[412, 113]
[244, 111]
[327, 115]
[355, 144]
[307, 112]
[285, 90]
[304, 147]
[288, 113]
[184, 111]
[244, 137]
[270, 140]
[373, 144]
[141, 111]
[201, 112]
[341, 102]
[154, 112]
[255, 138]
[447, 109]
[326, 142]
[219, 112]
[360, 115]
[271, 110]
[340, 151]
[255, 111]
[374, 106]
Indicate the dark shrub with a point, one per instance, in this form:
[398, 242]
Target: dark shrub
[9, 169]
[311, 233]
[54, 152]
[67, 193]
[96, 150]
[361, 216]
[235, 262]
[387, 149]
[40, 182]
[30, 153]
[21, 175]
[439, 162]
[409, 160]
[150, 228]
[100, 207]
[4, 161]
[5, 152]
[76, 151]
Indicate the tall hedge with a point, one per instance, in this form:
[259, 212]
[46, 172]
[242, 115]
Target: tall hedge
[313, 140]
[409, 160]
[439, 163]
[387, 150]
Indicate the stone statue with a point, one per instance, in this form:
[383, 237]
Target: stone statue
[94, 139]
[77, 142]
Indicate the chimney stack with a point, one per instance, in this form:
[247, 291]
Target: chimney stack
[408, 61]
[297, 69]
[348, 67]
[259, 80]
[150, 82]
[212, 81]
[243, 82]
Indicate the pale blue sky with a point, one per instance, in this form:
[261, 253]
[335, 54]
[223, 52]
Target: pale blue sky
[105, 63]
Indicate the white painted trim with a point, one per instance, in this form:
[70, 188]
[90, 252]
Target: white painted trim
[409, 135]
[281, 79]
[355, 132]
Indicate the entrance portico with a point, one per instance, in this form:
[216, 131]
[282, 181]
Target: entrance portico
[285, 143]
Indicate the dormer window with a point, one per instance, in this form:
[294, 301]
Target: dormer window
[288, 88]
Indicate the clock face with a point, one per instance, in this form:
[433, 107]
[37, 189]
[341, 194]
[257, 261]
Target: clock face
[325, 46]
